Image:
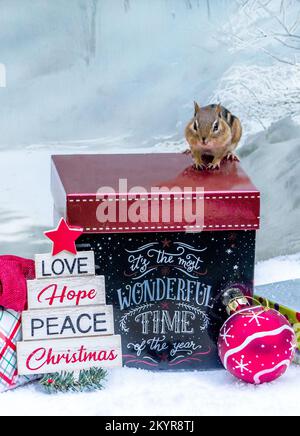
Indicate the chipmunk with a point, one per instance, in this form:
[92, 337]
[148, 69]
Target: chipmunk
[213, 131]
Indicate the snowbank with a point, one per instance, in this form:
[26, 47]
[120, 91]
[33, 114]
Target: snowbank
[272, 158]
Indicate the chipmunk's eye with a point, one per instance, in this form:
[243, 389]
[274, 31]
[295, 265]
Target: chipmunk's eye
[216, 126]
[195, 125]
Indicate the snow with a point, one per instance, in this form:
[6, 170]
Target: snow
[284, 293]
[138, 392]
[279, 269]
[271, 158]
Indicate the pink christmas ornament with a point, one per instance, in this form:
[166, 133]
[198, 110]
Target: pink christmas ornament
[256, 344]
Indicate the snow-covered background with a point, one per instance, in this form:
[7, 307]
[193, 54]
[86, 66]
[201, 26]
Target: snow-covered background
[121, 76]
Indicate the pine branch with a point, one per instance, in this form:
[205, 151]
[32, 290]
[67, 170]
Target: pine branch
[88, 380]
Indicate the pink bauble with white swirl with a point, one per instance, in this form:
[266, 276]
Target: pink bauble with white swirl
[257, 345]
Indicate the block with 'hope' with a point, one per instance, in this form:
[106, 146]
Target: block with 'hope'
[66, 292]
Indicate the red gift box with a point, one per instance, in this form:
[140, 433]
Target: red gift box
[169, 240]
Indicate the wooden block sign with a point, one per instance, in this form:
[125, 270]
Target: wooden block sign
[65, 265]
[66, 292]
[63, 323]
[42, 357]
[68, 326]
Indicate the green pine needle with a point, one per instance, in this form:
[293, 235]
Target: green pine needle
[88, 380]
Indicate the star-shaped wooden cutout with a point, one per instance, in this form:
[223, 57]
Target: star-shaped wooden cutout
[64, 237]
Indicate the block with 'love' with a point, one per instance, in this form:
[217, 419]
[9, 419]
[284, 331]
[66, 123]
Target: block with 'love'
[64, 265]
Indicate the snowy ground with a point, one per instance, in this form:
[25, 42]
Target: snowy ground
[138, 392]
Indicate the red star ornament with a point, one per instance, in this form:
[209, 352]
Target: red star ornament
[64, 237]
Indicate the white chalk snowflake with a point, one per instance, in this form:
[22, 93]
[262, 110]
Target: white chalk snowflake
[225, 335]
[229, 251]
[243, 367]
[256, 316]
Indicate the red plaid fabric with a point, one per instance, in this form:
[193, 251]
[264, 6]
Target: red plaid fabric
[10, 334]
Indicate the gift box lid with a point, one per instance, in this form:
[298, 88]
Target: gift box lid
[229, 199]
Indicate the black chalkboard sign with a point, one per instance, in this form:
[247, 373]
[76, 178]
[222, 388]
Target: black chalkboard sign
[166, 288]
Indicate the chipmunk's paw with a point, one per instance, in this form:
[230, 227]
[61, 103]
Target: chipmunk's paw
[187, 151]
[200, 166]
[214, 166]
[233, 157]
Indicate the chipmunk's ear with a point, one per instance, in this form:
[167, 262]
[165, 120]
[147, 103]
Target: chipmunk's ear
[197, 108]
[219, 110]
